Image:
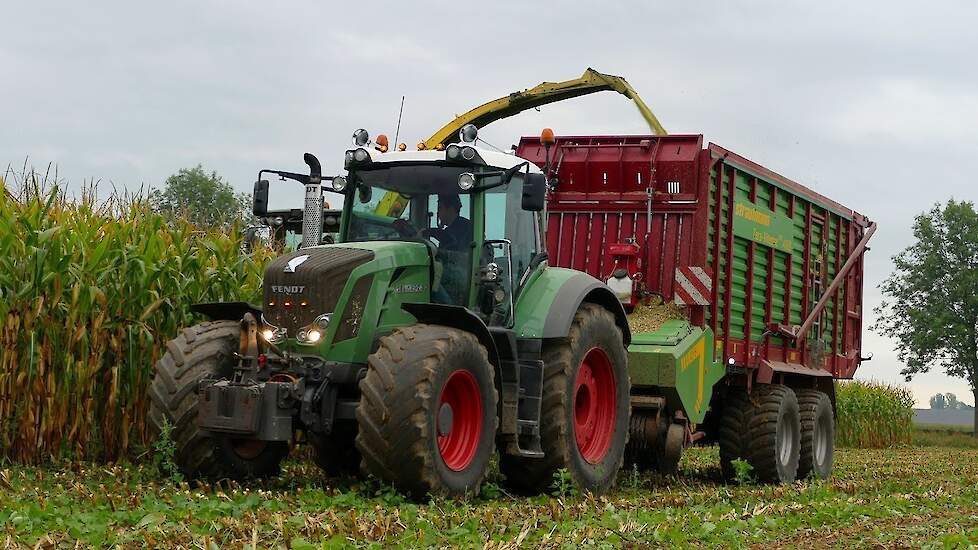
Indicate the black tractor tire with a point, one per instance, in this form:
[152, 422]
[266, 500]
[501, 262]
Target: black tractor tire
[336, 454]
[593, 328]
[774, 434]
[401, 409]
[817, 434]
[204, 351]
[732, 430]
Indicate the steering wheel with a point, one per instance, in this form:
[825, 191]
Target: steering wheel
[405, 228]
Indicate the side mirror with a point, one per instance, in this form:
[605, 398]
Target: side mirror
[259, 205]
[534, 192]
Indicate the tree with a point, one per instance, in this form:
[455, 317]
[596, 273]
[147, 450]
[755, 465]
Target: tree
[937, 402]
[204, 199]
[930, 304]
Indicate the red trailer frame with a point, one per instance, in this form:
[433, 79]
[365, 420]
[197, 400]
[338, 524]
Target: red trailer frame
[658, 209]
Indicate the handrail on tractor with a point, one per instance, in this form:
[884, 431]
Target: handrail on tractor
[543, 94]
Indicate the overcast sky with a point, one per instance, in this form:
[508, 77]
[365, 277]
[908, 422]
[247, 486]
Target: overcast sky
[874, 104]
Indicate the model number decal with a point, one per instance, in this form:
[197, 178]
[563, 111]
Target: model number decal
[410, 288]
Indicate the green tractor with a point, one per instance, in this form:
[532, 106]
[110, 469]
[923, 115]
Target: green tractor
[431, 335]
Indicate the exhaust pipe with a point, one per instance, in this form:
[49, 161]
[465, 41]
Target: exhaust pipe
[312, 218]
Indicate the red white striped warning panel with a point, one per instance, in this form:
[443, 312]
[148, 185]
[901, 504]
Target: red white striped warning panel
[694, 286]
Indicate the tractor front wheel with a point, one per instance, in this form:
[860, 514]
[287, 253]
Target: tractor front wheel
[205, 351]
[427, 412]
[585, 412]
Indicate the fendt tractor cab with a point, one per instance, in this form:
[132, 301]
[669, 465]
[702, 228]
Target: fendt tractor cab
[430, 335]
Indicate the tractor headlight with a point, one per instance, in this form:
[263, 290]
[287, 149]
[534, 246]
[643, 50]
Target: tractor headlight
[322, 321]
[272, 334]
[361, 138]
[453, 152]
[466, 181]
[339, 184]
[468, 153]
[468, 134]
[355, 156]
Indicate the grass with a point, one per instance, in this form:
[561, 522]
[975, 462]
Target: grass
[907, 497]
[873, 414]
[939, 435]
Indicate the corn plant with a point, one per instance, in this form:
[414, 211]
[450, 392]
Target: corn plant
[873, 414]
[90, 291]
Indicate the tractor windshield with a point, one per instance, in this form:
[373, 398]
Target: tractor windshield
[418, 203]
[402, 202]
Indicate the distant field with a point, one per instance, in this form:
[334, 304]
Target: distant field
[944, 416]
[916, 497]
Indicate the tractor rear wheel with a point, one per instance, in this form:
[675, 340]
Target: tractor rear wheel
[817, 434]
[336, 454]
[427, 412]
[585, 412]
[774, 433]
[205, 351]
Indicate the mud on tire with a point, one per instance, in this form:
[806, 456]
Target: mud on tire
[204, 350]
[406, 435]
[593, 328]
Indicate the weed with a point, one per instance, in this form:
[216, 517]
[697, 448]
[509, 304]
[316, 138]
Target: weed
[164, 455]
[563, 484]
[743, 472]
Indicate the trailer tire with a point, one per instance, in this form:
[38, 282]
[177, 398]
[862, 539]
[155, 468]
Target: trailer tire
[817, 434]
[774, 434]
[732, 431]
[592, 457]
[336, 454]
[205, 351]
[420, 376]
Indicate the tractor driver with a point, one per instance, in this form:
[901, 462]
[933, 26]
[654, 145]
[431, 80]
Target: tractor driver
[454, 231]
[454, 235]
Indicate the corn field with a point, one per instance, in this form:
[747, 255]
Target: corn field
[873, 415]
[90, 291]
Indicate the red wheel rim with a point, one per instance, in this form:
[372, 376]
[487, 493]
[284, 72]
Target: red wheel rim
[247, 449]
[458, 420]
[595, 405]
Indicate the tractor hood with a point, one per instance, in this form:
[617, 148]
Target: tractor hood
[307, 283]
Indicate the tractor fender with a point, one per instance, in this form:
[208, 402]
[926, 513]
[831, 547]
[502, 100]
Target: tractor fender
[226, 311]
[575, 291]
[455, 317]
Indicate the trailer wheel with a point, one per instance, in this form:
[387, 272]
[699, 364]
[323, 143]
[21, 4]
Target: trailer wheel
[774, 434]
[732, 431]
[201, 351]
[817, 434]
[585, 411]
[336, 454]
[427, 412]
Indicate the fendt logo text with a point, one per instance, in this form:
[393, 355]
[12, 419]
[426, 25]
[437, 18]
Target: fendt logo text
[288, 289]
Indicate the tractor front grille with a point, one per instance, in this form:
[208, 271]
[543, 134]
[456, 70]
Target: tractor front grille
[304, 284]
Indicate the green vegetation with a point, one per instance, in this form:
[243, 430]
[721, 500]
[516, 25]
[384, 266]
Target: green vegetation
[936, 435]
[873, 415]
[90, 291]
[907, 497]
[930, 302]
[205, 200]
